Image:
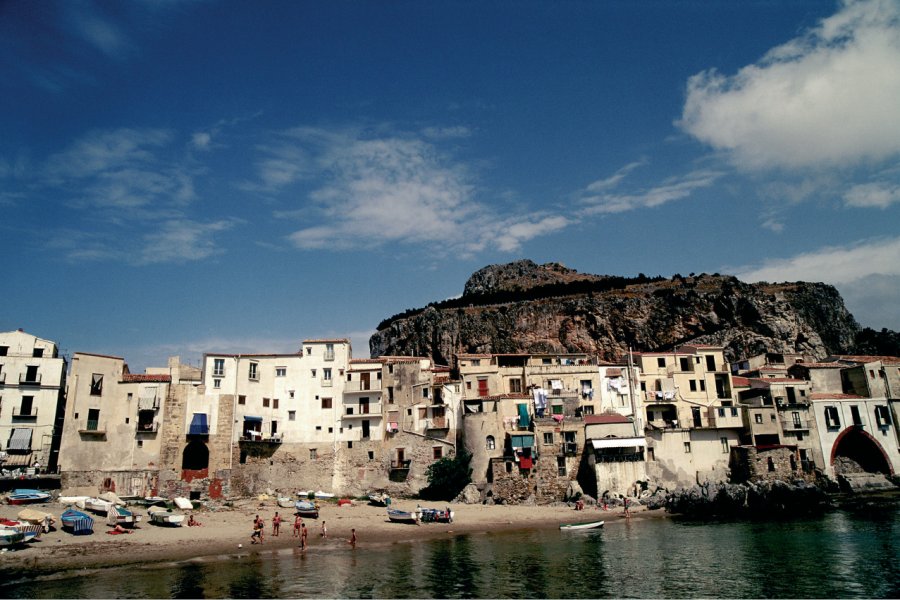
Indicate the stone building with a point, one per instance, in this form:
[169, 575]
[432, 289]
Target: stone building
[125, 432]
[851, 398]
[777, 462]
[616, 454]
[692, 416]
[32, 401]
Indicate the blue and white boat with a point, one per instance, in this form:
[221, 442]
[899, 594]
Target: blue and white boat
[27, 497]
[306, 509]
[402, 516]
[77, 522]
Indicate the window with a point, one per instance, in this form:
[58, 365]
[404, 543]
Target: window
[438, 452]
[724, 441]
[265, 403]
[274, 428]
[490, 443]
[319, 428]
[326, 403]
[93, 420]
[313, 454]
[710, 362]
[561, 465]
[313, 372]
[25, 409]
[242, 399]
[329, 351]
[274, 402]
[684, 363]
[651, 453]
[854, 414]
[882, 416]
[832, 420]
[687, 447]
[661, 363]
[326, 374]
[548, 437]
[254, 371]
[4, 350]
[390, 394]
[349, 444]
[702, 385]
[758, 417]
[476, 362]
[96, 384]
[219, 367]
[425, 392]
[217, 383]
[291, 394]
[693, 385]
[292, 415]
[37, 353]
[515, 386]
[588, 409]
[280, 371]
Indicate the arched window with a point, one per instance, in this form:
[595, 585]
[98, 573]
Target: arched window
[491, 444]
[195, 456]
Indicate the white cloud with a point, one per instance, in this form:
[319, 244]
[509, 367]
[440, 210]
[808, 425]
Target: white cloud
[676, 188]
[612, 181]
[390, 188]
[201, 140]
[827, 98]
[873, 195]
[101, 151]
[446, 133]
[182, 241]
[835, 265]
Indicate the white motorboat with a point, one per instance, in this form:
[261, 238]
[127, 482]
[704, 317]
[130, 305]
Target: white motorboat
[165, 516]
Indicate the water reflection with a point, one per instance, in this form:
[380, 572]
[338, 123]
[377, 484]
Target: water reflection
[838, 555]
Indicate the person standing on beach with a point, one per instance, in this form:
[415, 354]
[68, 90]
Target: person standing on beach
[303, 535]
[298, 520]
[324, 533]
[352, 540]
[276, 524]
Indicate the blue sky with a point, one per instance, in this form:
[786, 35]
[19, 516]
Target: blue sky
[181, 177]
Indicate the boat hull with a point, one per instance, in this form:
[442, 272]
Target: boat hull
[11, 537]
[165, 517]
[401, 516]
[590, 525]
[18, 497]
[77, 522]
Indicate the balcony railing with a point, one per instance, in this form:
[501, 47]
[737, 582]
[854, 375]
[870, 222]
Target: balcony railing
[327, 382]
[147, 427]
[33, 380]
[93, 427]
[401, 464]
[329, 355]
[664, 397]
[372, 412]
[363, 386]
[438, 423]
[570, 449]
[259, 439]
[17, 413]
[791, 425]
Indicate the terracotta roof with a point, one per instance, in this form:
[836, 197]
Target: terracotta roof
[144, 378]
[820, 365]
[474, 355]
[828, 396]
[365, 361]
[783, 380]
[740, 381]
[605, 419]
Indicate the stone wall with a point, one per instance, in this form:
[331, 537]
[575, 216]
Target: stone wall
[515, 486]
[748, 463]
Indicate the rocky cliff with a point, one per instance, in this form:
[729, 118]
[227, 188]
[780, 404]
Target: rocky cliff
[525, 307]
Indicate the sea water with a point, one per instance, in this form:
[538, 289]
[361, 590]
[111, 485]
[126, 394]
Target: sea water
[842, 554]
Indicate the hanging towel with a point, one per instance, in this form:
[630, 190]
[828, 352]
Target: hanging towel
[524, 419]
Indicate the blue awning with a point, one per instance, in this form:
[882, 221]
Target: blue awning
[199, 425]
[253, 419]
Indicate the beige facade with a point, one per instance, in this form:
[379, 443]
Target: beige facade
[692, 417]
[32, 401]
[120, 426]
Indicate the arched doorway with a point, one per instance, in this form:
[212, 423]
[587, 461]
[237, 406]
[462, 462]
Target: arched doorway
[855, 451]
[195, 456]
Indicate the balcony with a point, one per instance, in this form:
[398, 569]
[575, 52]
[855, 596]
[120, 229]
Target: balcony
[400, 464]
[437, 423]
[24, 379]
[93, 428]
[327, 382]
[147, 427]
[570, 449]
[362, 386]
[661, 397]
[30, 413]
[329, 355]
[372, 412]
[254, 437]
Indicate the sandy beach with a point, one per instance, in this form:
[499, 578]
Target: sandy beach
[226, 531]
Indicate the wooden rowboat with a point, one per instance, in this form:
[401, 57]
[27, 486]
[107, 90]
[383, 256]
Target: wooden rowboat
[588, 525]
[401, 516]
